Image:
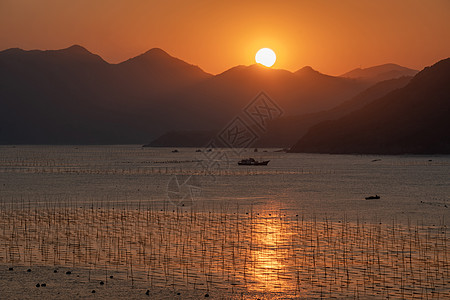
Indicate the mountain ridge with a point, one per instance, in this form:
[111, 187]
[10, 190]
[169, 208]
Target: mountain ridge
[380, 72]
[156, 51]
[74, 96]
[410, 120]
[285, 131]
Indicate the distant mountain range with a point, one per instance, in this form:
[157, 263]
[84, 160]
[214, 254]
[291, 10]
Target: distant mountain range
[72, 96]
[285, 131]
[380, 73]
[413, 119]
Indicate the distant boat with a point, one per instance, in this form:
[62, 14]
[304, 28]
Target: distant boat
[373, 197]
[252, 162]
[174, 151]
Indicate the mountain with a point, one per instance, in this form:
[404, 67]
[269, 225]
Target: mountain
[413, 119]
[183, 138]
[72, 96]
[159, 72]
[285, 131]
[213, 103]
[303, 91]
[380, 73]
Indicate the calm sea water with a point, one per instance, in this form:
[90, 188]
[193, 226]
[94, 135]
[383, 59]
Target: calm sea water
[412, 188]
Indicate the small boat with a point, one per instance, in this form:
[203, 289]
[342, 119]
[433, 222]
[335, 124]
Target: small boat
[175, 151]
[252, 162]
[373, 197]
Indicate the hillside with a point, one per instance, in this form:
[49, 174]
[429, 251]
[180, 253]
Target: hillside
[285, 131]
[413, 119]
[380, 73]
[72, 96]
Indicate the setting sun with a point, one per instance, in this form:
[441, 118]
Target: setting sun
[265, 57]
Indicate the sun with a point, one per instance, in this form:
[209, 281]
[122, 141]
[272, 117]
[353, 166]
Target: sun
[265, 57]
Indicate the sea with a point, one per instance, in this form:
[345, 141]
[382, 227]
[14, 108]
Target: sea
[412, 188]
[192, 222]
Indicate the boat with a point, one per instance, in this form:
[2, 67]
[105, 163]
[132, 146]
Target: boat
[373, 197]
[252, 162]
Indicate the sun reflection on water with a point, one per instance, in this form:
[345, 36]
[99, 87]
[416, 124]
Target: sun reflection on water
[269, 255]
[266, 254]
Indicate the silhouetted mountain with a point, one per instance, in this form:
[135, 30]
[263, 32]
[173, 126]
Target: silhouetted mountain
[303, 91]
[380, 73]
[74, 96]
[309, 71]
[285, 131]
[413, 119]
[212, 103]
[158, 72]
[183, 139]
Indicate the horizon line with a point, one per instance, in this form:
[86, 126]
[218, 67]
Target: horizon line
[215, 74]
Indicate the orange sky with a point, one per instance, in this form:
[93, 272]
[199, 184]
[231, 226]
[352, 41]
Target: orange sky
[331, 36]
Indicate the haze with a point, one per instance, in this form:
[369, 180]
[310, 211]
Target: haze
[331, 36]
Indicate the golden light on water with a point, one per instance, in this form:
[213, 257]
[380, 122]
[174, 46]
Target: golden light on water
[268, 255]
[258, 255]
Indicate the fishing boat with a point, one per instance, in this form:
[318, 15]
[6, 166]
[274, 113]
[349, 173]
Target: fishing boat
[252, 162]
[373, 197]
